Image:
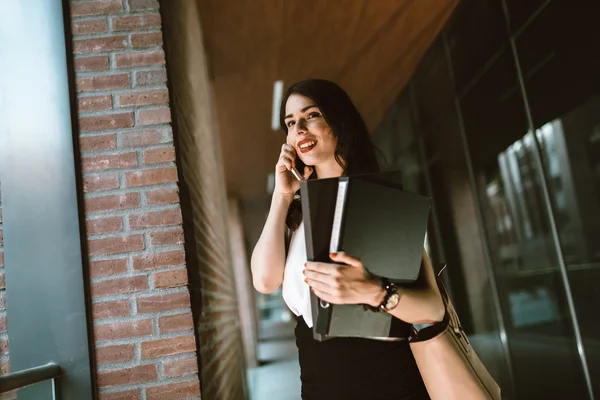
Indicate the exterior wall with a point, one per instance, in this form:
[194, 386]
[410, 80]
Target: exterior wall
[143, 325]
[245, 290]
[214, 297]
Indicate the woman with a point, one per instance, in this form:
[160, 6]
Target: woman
[327, 137]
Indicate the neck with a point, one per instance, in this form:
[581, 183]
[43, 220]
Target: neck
[330, 169]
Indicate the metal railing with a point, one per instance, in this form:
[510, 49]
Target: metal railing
[28, 377]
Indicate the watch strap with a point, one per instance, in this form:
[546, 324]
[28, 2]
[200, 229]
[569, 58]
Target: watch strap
[390, 289]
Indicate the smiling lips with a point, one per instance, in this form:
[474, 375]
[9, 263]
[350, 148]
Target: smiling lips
[306, 145]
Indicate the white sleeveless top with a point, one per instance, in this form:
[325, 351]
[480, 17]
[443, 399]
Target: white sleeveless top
[296, 293]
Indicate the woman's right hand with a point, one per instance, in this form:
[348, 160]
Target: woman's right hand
[285, 182]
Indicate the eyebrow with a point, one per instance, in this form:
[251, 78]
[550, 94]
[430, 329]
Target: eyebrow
[303, 110]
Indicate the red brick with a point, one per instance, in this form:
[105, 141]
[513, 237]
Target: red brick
[174, 391]
[4, 367]
[127, 376]
[107, 82]
[108, 267]
[3, 324]
[182, 367]
[87, 26]
[97, 63]
[158, 156]
[159, 260]
[159, 96]
[99, 45]
[112, 354]
[163, 196]
[176, 323]
[3, 347]
[98, 143]
[146, 137]
[123, 330]
[154, 77]
[168, 347]
[128, 284]
[163, 302]
[156, 218]
[105, 162]
[126, 395]
[135, 22]
[143, 5]
[2, 301]
[1, 259]
[140, 59]
[102, 7]
[1, 237]
[94, 103]
[2, 281]
[104, 122]
[154, 117]
[168, 279]
[171, 237]
[98, 183]
[112, 203]
[116, 245]
[104, 225]
[151, 177]
[146, 39]
[110, 309]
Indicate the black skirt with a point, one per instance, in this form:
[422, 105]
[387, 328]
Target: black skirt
[356, 369]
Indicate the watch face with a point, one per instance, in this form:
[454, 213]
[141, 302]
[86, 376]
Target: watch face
[392, 301]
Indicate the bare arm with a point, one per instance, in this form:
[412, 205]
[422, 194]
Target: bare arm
[268, 257]
[419, 306]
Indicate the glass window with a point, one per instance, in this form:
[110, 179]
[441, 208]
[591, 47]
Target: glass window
[560, 57]
[519, 236]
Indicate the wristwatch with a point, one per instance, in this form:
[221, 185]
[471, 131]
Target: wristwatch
[391, 298]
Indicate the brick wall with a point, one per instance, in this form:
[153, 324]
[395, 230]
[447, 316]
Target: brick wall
[203, 189]
[143, 326]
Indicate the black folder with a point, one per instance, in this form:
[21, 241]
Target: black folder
[369, 217]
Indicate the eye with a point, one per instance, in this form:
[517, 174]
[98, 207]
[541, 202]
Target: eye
[314, 114]
[289, 124]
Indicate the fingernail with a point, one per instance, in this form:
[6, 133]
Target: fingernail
[312, 289]
[304, 272]
[306, 281]
[305, 265]
[333, 254]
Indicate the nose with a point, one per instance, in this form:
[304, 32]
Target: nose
[300, 126]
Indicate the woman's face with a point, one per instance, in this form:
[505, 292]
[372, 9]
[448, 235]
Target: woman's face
[308, 131]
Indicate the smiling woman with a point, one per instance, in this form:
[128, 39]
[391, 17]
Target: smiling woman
[326, 137]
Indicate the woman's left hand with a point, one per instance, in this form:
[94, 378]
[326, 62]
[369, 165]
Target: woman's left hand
[346, 281]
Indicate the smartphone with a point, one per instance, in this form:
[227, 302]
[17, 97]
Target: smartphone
[299, 164]
[296, 174]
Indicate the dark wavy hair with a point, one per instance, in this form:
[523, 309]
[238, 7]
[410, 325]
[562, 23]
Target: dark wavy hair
[354, 152]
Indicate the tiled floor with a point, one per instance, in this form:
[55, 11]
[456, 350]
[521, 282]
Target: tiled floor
[279, 376]
[279, 380]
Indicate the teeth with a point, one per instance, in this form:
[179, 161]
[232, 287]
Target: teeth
[308, 144]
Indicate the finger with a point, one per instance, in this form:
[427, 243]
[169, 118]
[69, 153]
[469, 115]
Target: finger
[286, 161]
[344, 258]
[307, 172]
[289, 149]
[289, 155]
[317, 276]
[321, 286]
[322, 268]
